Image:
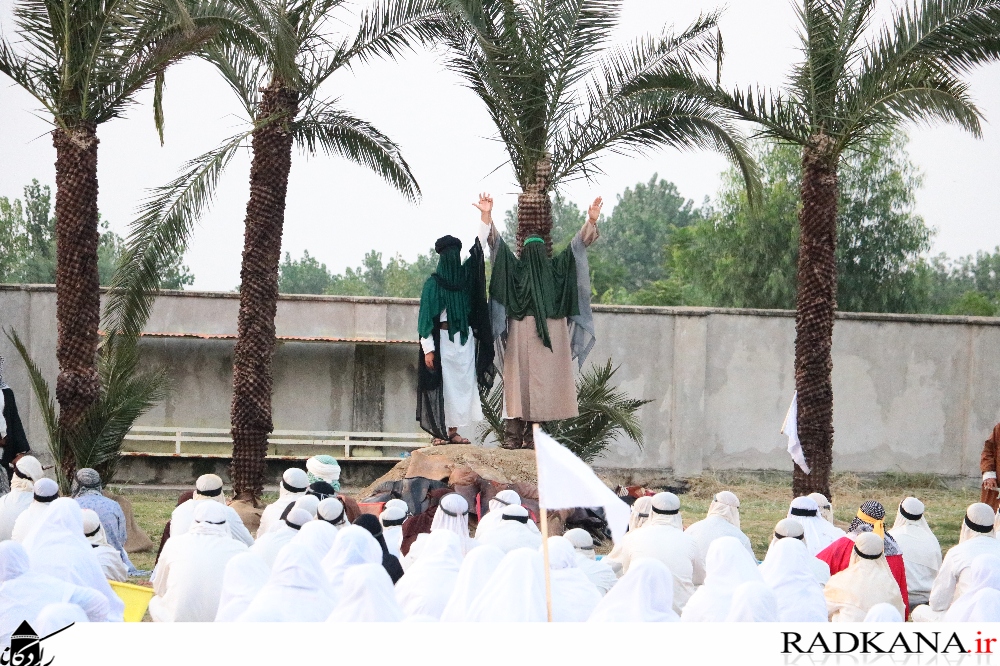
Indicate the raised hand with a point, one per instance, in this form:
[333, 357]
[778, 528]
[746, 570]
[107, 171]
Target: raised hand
[485, 207]
[594, 212]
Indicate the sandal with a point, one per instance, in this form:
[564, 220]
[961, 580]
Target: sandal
[437, 441]
[461, 440]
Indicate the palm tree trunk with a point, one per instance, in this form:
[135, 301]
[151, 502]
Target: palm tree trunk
[534, 208]
[815, 306]
[78, 295]
[252, 381]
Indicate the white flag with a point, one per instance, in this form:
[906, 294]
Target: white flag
[790, 428]
[566, 482]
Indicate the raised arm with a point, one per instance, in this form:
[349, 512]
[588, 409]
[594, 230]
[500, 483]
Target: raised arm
[488, 235]
[588, 233]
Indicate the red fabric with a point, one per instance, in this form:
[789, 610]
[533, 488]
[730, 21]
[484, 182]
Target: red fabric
[838, 556]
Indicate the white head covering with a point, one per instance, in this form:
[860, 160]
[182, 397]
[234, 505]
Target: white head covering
[14, 561]
[45, 489]
[727, 566]
[476, 569]
[293, 482]
[883, 613]
[367, 596]
[574, 597]
[28, 466]
[397, 504]
[640, 512]
[726, 505]
[644, 594]
[324, 470]
[986, 606]
[210, 520]
[353, 546]
[515, 592]
[427, 585]
[316, 535]
[453, 515]
[867, 581]
[58, 548]
[665, 509]
[582, 542]
[44, 492]
[825, 507]
[504, 498]
[332, 511]
[914, 535]
[209, 486]
[494, 517]
[309, 504]
[392, 519]
[107, 556]
[753, 602]
[296, 590]
[978, 517]
[54, 617]
[818, 532]
[983, 573]
[512, 532]
[245, 576]
[786, 571]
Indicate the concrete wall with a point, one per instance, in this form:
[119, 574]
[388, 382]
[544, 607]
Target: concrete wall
[913, 393]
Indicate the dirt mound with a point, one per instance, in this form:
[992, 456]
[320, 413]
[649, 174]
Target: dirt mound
[248, 513]
[437, 462]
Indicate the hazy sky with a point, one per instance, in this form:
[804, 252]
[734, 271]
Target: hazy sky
[338, 211]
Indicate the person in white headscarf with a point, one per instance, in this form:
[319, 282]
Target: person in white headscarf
[452, 514]
[308, 503]
[953, 579]
[26, 471]
[817, 531]
[883, 613]
[397, 503]
[640, 512]
[24, 593]
[921, 550]
[515, 592]
[188, 576]
[476, 569]
[599, 573]
[317, 535]
[786, 571]
[723, 519]
[574, 597]
[727, 566]
[661, 540]
[109, 558]
[367, 596]
[824, 505]
[513, 531]
[245, 576]
[58, 548]
[866, 581]
[296, 590]
[982, 574]
[269, 544]
[208, 488]
[492, 518]
[392, 519]
[644, 594]
[45, 492]
[56, 617]
[331, 510]
[353, 546]
[786, 528]
[323, 468]
[753, 602]
[985, 606]
[428, 584]
[294, 484]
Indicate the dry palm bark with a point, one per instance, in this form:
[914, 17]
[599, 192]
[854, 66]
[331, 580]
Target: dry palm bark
[815, 307]
[534, 208]
[252, 380]
[78, 297]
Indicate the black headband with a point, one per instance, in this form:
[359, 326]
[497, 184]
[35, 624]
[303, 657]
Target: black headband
[665, 512]
[210, 493]
[808, 513]
[53, 498]
[292, 525]
[21, 475]
[865, 556]
[392, 522]
[452, 513]
[801, 537]
[584, 547]
[982, 529]
[643, 515]
[909, 516]
[96, 530]
[521, 519]
[209, 522]
[334, 521]
[291, 489]
[501, 501]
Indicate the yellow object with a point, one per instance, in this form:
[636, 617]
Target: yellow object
[136, 598]
[877, 525]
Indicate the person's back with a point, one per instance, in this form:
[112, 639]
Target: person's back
[952, 581]
[921, 550]
[45, 491]
[208, 488]
[707, 530]
[26, 471]
[672, 547]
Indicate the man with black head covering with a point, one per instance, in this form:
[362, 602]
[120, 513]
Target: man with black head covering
[540, 306]
[456, 343]
[13, 441]
[389, 561]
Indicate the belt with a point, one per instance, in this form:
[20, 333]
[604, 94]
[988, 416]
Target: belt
[443, 326]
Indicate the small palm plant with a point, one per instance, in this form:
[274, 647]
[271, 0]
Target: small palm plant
[606, 413]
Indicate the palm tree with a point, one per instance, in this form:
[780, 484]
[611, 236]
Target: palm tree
[847, 90]
[277, 73]
[560, 96]
[84, 61]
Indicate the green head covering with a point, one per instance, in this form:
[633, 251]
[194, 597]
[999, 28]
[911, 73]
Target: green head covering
[448, 288]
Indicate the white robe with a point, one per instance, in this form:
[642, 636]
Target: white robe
[111, 563]
[13, 504]
[394, 540]
[786, 570]
[245, 576]
[574, 597]
[426, 587]
[921, 556]
[982, 574]
[818, 531]
[29, 519]
[753, 602]
[367, 596]
[515, 592]
[644, 594]
[819, 569]
[853, 592]
[188, 576]
[269, 544]
[296, 591]
[600, 574]
[713, 527]
[476, 569]
[953, 579]
[182, 519]
[271, 516]
[727, 566]
[458, 377]
[672, 547]
[353, 546]
[510, 535]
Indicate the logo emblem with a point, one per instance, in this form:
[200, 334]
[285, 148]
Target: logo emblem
[26, 647]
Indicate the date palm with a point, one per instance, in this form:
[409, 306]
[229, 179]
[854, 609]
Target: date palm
[848, 89]
[559, 96]
[277, 73]
[84, 61]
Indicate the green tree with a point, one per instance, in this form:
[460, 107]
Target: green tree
[303, 276]
[397, 278]
[967, 286]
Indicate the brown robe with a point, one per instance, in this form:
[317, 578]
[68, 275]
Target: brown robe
[988, 463]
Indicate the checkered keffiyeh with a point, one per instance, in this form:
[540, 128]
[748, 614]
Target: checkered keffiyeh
[876, 511]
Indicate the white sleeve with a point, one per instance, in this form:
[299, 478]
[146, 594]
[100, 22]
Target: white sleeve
[484, 233]
[93, 603]
[427, 344]
[944, 586]
[986, 475]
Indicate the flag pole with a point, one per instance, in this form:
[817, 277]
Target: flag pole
[545, 557]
